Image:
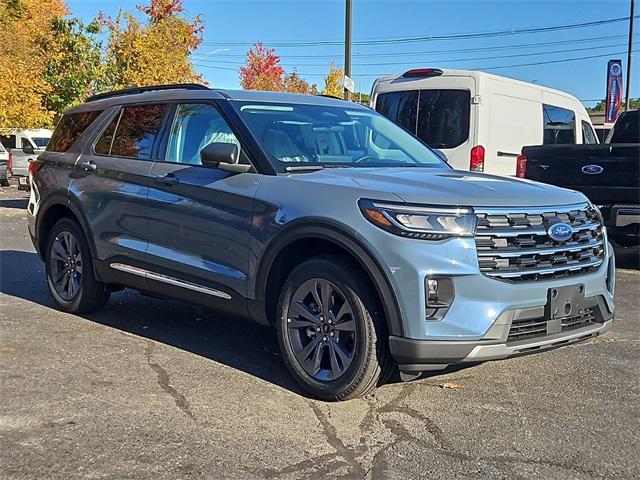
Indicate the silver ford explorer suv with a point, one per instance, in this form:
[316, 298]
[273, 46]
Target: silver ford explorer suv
[322, 218]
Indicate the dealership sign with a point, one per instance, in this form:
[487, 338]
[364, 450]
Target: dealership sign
[614, 91]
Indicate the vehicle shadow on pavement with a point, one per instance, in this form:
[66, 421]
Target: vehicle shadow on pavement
[235, 342]
[20, 203]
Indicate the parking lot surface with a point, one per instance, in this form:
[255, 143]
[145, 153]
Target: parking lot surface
[155, 389]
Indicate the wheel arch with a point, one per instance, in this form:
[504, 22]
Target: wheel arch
[324, 237]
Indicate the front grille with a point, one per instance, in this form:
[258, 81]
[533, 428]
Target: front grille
[539, 327]
[513, 245]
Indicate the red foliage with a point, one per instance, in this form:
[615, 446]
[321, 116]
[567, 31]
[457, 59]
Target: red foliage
[262, 70]
[160, 9]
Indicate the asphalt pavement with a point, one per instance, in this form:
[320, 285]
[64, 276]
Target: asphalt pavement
[158, 389]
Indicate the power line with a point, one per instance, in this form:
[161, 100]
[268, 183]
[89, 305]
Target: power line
[428, 38]
[494, 57]
[548, 62]
[457, 50]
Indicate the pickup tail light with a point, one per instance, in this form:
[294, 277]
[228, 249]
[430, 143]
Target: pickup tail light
[10, 165]
[521, 166]
[476, 163]
[34, 166]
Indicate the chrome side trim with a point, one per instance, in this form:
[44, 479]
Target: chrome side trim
[513, 232]
[170, 280]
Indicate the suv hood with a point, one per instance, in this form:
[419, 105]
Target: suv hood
[446, 187]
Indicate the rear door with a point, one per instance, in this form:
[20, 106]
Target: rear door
[199, 218]
[111, 184]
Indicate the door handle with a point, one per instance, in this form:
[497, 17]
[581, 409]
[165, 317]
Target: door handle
[168, 179]
[89, 166]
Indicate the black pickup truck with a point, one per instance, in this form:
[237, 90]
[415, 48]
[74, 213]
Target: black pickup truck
[609, 174]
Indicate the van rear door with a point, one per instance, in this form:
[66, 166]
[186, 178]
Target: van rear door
[438, 110]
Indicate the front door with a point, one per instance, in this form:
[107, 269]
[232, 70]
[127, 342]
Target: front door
[199, 218]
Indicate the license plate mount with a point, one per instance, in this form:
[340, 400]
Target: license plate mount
[565, 301]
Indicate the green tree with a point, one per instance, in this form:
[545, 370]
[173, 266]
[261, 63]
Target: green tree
[634, 104]
[295, 84]
[74, 64]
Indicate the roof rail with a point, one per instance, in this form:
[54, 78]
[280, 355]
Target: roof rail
[149, 88]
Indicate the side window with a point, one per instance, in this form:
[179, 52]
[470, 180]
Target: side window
[399, 107]
[443, 117]
[588, 135]
[559, 125]
[194, 127]
[132, 132]
[69, 128]
[8, 141]
[25, 143]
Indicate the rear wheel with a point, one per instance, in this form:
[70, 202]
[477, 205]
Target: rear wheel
[69, 270]
[331, 330]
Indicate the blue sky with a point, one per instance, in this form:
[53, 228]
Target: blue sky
[306, 20]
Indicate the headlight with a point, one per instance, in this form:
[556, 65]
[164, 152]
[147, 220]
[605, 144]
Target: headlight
[418, 221]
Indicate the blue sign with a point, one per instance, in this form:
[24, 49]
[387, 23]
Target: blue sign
[560, 232]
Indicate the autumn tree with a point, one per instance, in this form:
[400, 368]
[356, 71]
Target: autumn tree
[153, 52]
[25, 27]
[333, 82]
[262, 70]
[295, 84]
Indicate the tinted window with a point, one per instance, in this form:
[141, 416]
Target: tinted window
[559, 125]
[194, 127]
[40, 142]
[626, 129]
[588, 135]
[135, 132]
[8, 141]
[400, 107]
[103, 145]
[443, 117]
[69, 129]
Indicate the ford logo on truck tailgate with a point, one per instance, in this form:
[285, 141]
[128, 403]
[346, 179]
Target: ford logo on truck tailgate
[560, 232]
[592, 169]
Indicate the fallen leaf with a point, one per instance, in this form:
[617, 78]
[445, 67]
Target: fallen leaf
[452, 386]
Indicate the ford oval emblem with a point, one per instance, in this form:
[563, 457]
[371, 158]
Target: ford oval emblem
[592, 169]
[560, 232]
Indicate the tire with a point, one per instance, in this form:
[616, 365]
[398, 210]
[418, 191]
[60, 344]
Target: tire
[81, 292]
[311, 332]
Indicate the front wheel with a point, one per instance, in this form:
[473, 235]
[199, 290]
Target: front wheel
[69, 270]
[331, 329]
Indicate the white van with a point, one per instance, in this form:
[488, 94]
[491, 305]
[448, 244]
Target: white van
[4, 160]
[23, 145]
[478, 120]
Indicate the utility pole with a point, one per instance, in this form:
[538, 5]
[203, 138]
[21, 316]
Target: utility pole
[347, 46]
[629, 54]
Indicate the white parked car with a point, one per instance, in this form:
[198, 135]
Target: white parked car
[478, 120]
[4, 160]
[24, 146]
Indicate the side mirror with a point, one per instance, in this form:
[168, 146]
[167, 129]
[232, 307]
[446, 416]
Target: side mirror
[223, 156]
[28, 149]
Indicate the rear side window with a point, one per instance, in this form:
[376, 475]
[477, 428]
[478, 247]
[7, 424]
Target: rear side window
[443, 117]
[132, 132]
[69, 128]
[438, 117]
[588, 135]
[399, 107]
[559, 125]
[8, 141]
[626, 129]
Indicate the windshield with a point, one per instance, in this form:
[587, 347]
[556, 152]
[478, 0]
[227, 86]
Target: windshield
[41, 142]
[296, 135]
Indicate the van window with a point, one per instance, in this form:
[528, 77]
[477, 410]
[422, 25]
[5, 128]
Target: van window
[443, 117]
[588, 135]
[438, 117]
[132, 133]
[559, 125]
[194, 127]
[399, 107]
[40, 142]
[8, 141]
[69, 128]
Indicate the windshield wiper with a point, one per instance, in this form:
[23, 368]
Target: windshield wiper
[304, 168]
